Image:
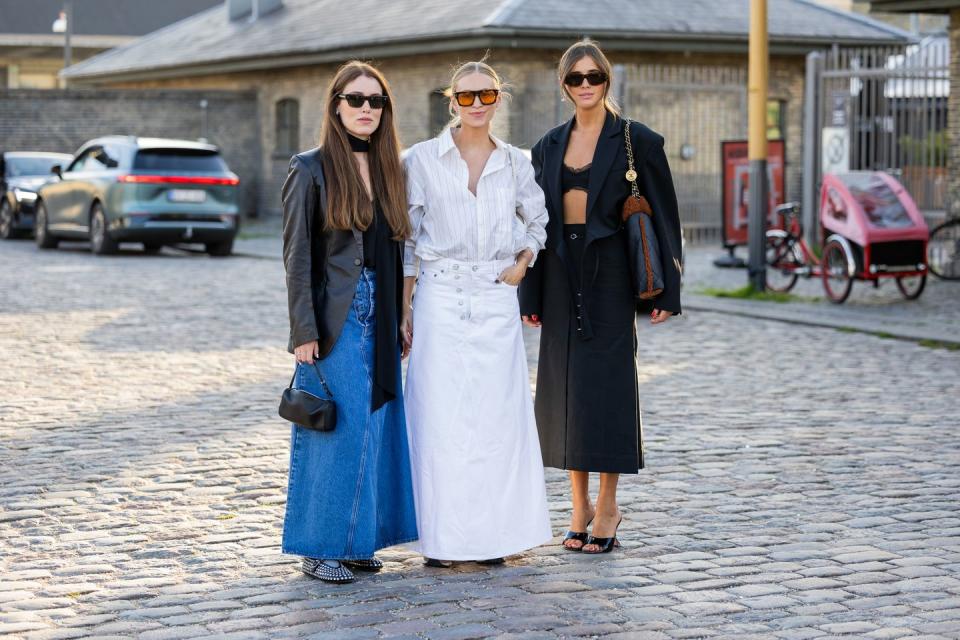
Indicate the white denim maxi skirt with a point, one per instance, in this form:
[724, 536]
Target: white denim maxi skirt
[474, 450]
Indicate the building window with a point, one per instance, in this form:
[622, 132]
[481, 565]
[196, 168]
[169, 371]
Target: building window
[776, 119]
[439, 111]
[4, 78]
[288, 126]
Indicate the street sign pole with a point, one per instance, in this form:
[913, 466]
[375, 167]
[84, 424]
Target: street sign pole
[757, 116]
[67, 50]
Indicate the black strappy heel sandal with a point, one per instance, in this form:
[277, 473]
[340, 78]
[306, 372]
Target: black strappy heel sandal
[576, 535]
[437, 564]
[606, 544]
[367, 564]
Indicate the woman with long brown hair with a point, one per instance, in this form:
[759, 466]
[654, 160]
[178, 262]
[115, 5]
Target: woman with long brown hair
[580, 292]
[344, 222]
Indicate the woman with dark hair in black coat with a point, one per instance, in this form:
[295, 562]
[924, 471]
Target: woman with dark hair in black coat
[580, 292]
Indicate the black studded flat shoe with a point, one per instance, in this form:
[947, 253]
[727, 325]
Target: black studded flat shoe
[437, 564]
[491, 561]
[576, 535]
[367, 564]
[331, 571]
[606, 544]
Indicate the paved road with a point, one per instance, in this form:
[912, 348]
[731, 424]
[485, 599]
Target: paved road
[803, 482]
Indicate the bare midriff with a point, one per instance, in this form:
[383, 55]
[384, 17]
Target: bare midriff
[575, 207]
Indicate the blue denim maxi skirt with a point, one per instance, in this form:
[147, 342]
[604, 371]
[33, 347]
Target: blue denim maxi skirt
[350, 492]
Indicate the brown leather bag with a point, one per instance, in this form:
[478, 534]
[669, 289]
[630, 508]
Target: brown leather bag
[646, 268]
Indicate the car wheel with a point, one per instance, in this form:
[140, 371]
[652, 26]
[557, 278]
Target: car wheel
[152, 248]
[100, 241]
[6, 221]
[220, 249]
[41, 232]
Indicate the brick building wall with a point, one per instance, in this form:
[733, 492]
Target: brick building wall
[62, 120]
[534, 108]
[953, 115]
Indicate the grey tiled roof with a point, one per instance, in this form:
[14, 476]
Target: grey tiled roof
[315, 26]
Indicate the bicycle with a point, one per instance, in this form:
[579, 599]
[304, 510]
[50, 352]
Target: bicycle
[943, 250]
[789, 257]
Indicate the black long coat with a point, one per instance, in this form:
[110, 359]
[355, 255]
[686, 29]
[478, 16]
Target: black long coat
[587, 402]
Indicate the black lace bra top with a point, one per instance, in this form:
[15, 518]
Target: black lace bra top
[574, 178]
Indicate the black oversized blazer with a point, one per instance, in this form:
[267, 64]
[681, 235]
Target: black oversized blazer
[607, 190]
[322, 265]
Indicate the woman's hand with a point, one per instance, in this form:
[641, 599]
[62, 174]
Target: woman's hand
[406, 332]
[307, 352]
[514, 274]
[532, 321]
[657, 316]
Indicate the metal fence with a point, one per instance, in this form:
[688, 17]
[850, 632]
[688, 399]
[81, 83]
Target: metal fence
[884, 109]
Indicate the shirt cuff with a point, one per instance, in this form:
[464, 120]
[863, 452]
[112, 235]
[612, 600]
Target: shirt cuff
[410, 269]
[535, 249]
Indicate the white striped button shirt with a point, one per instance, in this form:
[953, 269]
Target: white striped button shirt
[505, 217]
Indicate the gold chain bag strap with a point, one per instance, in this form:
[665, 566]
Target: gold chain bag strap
[645, 265]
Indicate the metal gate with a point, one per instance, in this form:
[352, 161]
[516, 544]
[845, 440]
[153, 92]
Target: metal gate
[694, 107]
[880, 109]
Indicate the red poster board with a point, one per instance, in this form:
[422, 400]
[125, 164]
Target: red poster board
[736, 187]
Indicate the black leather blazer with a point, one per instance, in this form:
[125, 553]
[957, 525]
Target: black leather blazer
[322, 265]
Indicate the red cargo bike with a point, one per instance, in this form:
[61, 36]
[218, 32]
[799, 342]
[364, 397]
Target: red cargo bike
[871, 229]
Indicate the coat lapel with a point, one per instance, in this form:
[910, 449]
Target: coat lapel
[554, 162]
[607, 146]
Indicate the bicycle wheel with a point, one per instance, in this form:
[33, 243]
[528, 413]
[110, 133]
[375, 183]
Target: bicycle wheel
[912, 286]
[838, 269]
[943, 250]
[783, 259]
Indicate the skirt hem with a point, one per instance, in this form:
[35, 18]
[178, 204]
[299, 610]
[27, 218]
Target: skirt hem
[497, 553]
[338, 556]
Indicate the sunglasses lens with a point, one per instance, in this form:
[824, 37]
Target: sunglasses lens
[488, 96]
[465, 98]
[356, 100]
[596, 78]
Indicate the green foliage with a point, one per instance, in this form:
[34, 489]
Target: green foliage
[937, 344]
[928, 151]
[749, 293]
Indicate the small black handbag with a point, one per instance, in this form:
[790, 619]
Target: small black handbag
[307, 410]
[646, 270]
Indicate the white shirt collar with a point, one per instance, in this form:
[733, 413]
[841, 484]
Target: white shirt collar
[445, 142]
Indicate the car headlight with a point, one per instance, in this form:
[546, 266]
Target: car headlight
[24, 196]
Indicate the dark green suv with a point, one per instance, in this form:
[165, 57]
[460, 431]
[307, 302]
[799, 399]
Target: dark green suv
[147, 190]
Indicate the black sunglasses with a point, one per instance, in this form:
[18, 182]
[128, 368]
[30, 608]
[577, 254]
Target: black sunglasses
[356, 100]
[466, 98]
[575, 79]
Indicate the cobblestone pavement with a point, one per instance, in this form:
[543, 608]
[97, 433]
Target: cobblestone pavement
[802, 482]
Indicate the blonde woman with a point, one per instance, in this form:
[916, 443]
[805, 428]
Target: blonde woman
[580, 292]
[478, 222]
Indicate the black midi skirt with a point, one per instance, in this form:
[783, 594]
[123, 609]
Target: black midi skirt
[587, 405]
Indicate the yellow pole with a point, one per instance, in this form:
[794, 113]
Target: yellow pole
[757, 146]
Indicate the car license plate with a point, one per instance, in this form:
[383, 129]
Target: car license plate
[186, 195]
